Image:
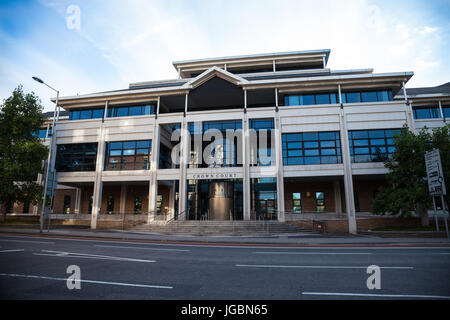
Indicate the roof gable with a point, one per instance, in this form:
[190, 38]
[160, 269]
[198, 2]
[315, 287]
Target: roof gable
[211, 73]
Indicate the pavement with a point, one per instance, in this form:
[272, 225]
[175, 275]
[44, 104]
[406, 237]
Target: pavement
[303, 238]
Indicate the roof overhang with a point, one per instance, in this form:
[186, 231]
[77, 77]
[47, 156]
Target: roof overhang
[187, 67]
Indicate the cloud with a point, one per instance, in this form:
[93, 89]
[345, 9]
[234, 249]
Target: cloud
[121, 42]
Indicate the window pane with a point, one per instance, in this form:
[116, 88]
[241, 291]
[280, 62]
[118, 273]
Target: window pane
[135, 111]
[97, 113]
[142, 144]
[115, 145]
[327, 144]
[323, 99]
[446, 112]
[115, 152]
[359, 143]
[86, 114]
[312, 152]
[313, 144]
[369, 96]
[382, 96]
[293, 100]
[310, 136]
[360, 134]
[122, 112]
[328, 152]
[361, 150]
[308, 99]
[75, 115]
[353, 97]
[333, 98]
[327, 135]
[129, 144]
[377, 142]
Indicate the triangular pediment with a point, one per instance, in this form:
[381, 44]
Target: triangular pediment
[211, 73]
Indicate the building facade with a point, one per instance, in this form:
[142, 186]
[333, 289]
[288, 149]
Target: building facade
[242, 138]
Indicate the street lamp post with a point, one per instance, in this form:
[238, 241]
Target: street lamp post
[49, 159]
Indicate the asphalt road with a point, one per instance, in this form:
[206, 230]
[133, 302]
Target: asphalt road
[36, 268]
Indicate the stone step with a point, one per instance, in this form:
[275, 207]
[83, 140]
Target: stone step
[219, 227]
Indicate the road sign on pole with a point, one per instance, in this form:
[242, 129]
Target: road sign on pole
[436, 184]
[435, 175]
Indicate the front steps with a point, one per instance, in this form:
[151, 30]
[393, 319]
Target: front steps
[204, 228]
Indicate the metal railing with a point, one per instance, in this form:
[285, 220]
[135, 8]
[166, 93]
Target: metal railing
[177, 216]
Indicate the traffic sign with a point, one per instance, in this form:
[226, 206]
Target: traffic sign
[435, 175]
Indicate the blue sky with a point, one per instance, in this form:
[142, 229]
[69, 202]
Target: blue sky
[123, 41]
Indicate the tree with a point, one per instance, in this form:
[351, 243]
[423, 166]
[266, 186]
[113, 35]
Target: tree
[407, 189]
[21, 151]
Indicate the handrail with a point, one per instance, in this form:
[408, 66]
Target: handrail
[177, 215]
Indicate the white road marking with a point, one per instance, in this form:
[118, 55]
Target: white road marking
[11, 250]
[87, 256]
[142, 248]
[314, 267]
[87, 281]
[42, 242]
[375, 295]
[313, 253]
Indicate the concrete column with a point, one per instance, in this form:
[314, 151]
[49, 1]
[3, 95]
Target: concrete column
[171, 201]
[98, 183]
[77, 201]
[182, 202]
[409, 113]
[348, 179]
[337, 196]
[279, 168]
[123, 198]
[441, 111]
[246, 167]
[153, 183]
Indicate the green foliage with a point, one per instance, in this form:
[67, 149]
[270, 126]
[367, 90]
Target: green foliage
[21, 151]
[407, 188]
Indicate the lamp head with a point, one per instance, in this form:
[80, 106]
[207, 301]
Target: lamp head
[38, 79]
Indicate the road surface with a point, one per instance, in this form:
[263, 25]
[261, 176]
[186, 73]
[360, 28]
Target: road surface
[36, 268]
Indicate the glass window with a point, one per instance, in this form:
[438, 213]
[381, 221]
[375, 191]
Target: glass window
[308, 99]
[135, 111]
[97, 113]
[376, 147]
[383, 96]
[292, 101]
[427, 113]
[333, 98]
[369, 96]
[138, 204]
[353, 97]
[297, 202]
[110, 204]
[323, 99]
[128, 155]
[85, 114]
[121, 112]
[76, 157]
[310, 148]
[446, 111]
[74, 115]
[320, 201]
[66, 208]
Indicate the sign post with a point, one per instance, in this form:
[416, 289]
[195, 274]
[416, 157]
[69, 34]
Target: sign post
[436, 183]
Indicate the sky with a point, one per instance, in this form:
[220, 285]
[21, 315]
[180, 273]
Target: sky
[81, 47]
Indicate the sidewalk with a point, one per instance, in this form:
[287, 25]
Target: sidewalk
[306, 238]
